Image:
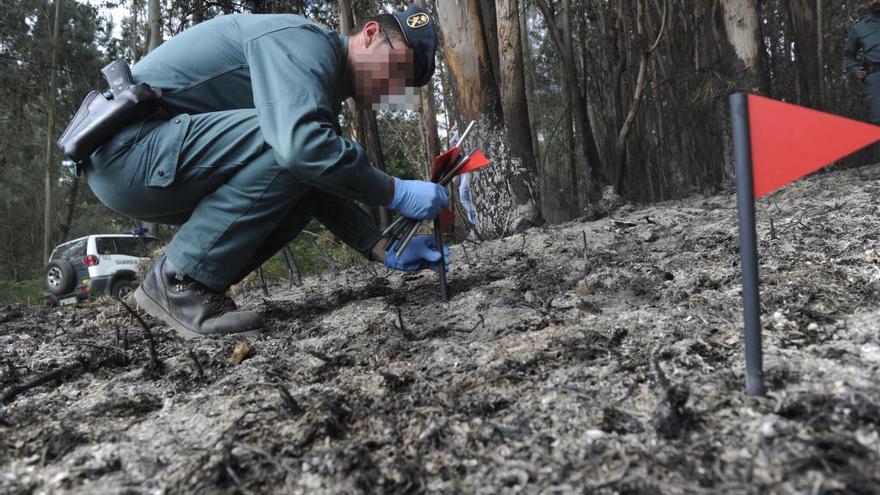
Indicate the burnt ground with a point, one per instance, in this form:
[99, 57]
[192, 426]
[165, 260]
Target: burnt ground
[590, 357]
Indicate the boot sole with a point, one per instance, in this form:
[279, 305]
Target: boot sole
[155, 309]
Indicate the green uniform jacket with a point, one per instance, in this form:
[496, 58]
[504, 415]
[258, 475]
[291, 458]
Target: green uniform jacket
[287, 68]
[865, 36]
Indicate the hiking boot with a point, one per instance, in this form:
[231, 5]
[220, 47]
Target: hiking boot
[189, 307]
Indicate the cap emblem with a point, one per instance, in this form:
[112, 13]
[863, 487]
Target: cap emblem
[416, 21]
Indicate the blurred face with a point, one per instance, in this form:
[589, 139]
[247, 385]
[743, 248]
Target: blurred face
[874, 5]
[380, 65]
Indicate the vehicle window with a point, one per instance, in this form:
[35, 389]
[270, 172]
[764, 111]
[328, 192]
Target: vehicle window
[104, 245]
[71, 250]
[129, 246]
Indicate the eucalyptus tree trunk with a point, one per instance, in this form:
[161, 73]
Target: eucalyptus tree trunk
[364, 125]
[504, 194]
[620, 153]
[154, 19]
[50, 132]
[154, 39]
[743, 29]
[589, 169]
[428, 116]
[512, 84]
[70, 206]
[804, 24]
[529, 73]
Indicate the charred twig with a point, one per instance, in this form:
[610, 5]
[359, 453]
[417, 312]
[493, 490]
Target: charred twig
[772, 229]
[263, 285]
[406, 333]
[155, 363]
[292, 267]
[195, 360]
[481, 323]
[291, 403]
[56, 374]
[438, 242]
[325, 257]
[400, 320]
[584, 232]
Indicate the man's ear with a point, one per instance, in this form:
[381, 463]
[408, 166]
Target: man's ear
[369, 34]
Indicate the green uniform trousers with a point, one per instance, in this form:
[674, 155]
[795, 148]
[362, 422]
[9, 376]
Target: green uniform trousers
[236, 205]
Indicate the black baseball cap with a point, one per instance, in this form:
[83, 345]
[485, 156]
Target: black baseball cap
[420, 34]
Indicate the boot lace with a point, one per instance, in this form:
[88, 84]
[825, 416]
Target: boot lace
[219, 302]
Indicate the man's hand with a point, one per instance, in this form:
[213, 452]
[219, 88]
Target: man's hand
[418, 199]
[420, 254]
[861, 73]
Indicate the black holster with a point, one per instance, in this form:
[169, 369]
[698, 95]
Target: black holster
[100, 117]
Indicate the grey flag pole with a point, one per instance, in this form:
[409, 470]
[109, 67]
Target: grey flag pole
[745, 200]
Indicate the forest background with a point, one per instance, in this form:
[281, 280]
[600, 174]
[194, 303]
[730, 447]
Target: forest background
[582, 105]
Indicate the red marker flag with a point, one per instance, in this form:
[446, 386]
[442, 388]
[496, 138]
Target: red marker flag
[776, 143]
[446, 219]
[789, 142]
[477, 160]
[443, 162]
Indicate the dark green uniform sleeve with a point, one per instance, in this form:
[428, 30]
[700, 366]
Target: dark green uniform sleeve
[293, 73]
[348, 222]
[850, 53]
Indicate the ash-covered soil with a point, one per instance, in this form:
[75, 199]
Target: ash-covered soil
[591, 357]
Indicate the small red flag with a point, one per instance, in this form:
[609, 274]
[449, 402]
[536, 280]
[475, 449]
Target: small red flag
[446, 219]
[443, 162]
[789, 142]
[477, 160]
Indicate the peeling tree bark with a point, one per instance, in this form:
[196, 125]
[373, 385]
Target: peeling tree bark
[744, 34]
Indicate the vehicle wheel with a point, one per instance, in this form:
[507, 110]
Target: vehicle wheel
[60, 277]
[121, 288]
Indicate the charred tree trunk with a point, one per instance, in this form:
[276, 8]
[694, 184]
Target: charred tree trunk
[512, 85]
[366, 130]
[50, 132]
[645, 51]
[70, 205]
[428, 117]
[586, 153]
[804, 26]
[504, 194]
[743, 30]
[529, 73]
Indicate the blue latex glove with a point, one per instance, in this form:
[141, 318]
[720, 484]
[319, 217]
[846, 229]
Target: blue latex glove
[420, 254]
[418, 199]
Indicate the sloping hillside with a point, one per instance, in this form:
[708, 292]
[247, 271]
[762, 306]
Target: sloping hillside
[601, 357]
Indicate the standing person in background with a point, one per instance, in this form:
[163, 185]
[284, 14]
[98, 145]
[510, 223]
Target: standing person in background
[865, 37]
[464, 191]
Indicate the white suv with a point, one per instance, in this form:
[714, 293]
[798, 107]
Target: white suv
[94, 265]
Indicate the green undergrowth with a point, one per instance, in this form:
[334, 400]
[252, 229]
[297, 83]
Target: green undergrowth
[23, 292]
